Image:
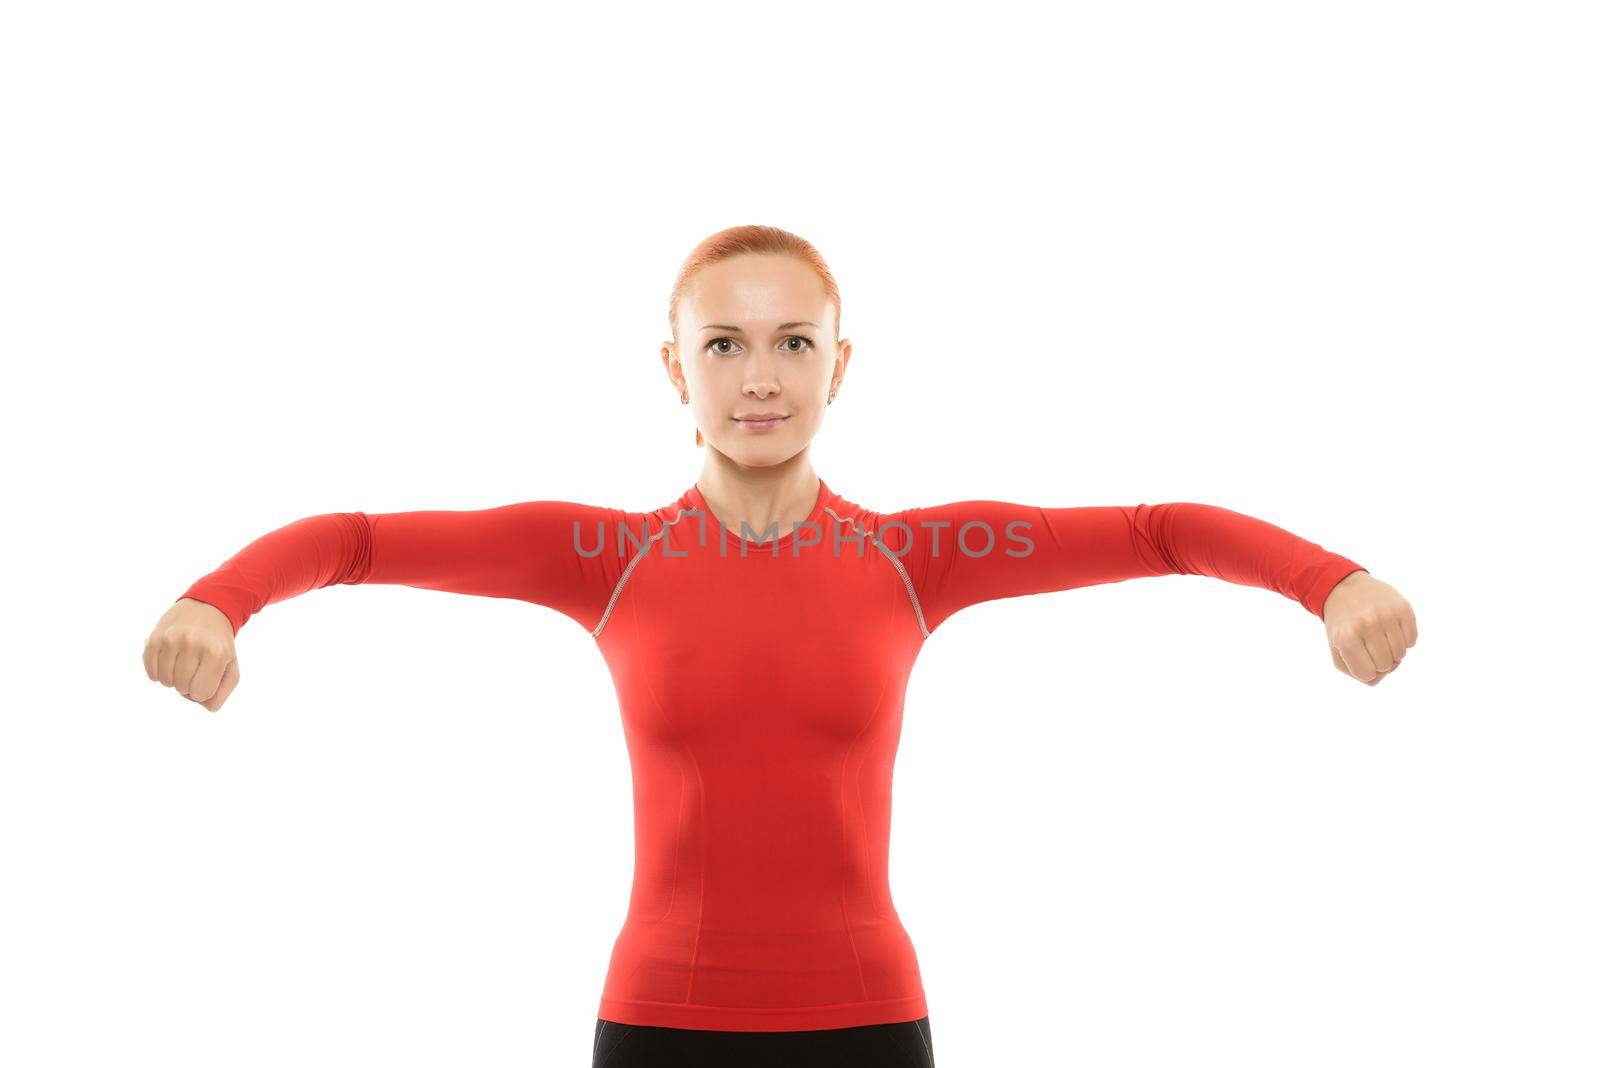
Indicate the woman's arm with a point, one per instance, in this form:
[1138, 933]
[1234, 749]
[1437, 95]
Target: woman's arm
[1009, 550]
[524, 551]
[529, 551]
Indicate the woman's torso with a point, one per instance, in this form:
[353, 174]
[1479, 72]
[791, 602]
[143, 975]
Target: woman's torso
[761, 688]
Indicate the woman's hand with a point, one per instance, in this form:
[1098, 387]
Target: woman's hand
[1370, 627]
[191, 650]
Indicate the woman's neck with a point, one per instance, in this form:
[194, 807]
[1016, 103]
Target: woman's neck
[783, 494]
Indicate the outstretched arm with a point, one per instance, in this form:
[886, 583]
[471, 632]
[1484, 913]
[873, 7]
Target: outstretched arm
[524, 551]
[967, 552]
[529, 551]
[971, 551]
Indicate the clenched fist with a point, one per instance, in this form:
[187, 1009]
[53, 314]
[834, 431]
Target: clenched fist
[191, 650]
[1370, 627]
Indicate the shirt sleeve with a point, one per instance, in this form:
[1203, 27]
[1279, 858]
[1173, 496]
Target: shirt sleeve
[966, 552]
[529, 551]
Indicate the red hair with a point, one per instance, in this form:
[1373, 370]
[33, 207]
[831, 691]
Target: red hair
[743, 240]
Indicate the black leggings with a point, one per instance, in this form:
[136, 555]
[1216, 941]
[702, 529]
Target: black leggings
[894, 1045]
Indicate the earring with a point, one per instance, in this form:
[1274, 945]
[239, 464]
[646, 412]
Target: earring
[698, 440]
[832, 395]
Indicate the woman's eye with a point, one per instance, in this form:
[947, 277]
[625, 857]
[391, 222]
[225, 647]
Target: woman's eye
[797, 337]
[717, 341]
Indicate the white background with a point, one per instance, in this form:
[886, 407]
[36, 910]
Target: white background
[1332, 266]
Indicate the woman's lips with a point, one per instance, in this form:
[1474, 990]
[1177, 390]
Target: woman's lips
[761, 424]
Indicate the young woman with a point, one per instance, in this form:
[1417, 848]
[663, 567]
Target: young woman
[760, 629]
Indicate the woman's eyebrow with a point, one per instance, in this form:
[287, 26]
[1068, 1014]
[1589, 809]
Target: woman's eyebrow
[736, 330]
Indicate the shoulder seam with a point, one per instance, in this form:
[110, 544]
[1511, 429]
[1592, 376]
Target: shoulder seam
[616, 591]
[911, 590]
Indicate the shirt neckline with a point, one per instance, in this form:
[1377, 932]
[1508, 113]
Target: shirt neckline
[698, 502]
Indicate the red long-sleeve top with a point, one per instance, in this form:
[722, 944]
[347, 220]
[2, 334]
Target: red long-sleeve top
[761, 686]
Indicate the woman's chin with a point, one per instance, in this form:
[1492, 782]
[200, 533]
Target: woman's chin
[757, 453]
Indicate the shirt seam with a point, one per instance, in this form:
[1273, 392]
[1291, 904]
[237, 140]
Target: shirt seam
[622, 581]
[911, 589]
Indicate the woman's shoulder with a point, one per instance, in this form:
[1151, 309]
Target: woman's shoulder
[651, 519]
[856, 518]
[891, 528]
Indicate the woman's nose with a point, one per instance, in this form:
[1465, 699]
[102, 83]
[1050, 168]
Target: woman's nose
[761, 380]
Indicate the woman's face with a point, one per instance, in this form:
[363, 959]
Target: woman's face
[756, 337]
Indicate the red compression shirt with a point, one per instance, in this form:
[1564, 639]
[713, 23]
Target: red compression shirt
[763, 753]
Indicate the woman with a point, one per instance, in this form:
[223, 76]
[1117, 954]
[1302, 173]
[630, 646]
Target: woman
[760, 630]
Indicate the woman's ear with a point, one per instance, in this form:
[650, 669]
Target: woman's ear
[674, 369]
